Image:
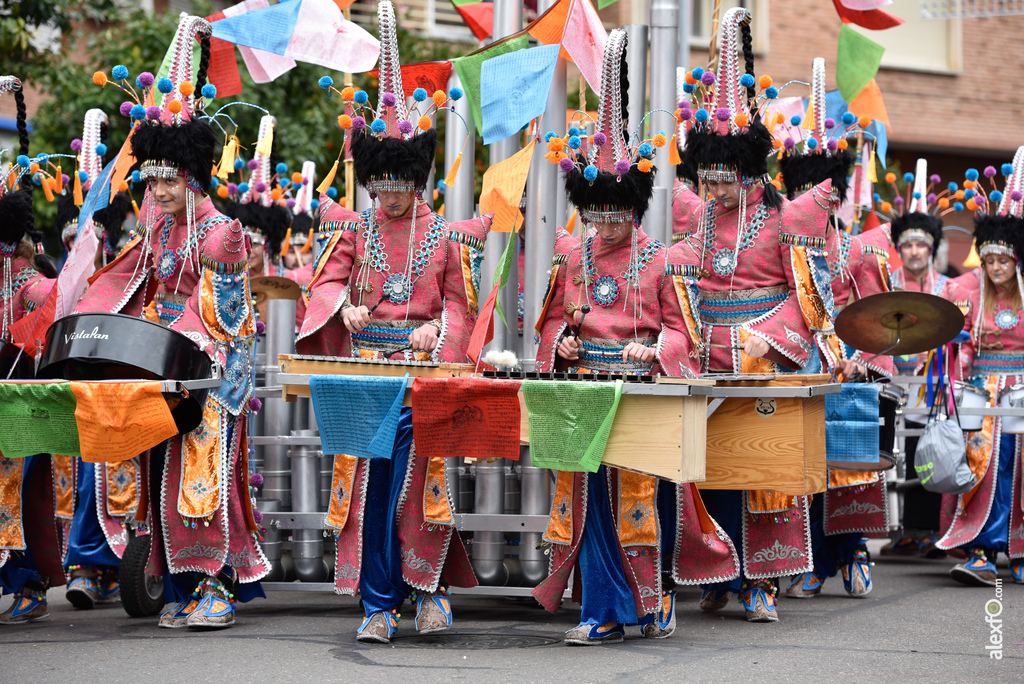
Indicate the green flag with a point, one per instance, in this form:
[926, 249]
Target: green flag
[503, 269]
[468, 69]
[857, 62]
[601, 4]
[570, 422]
[38, 418]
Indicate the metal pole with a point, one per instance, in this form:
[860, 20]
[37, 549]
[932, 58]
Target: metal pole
[636, 63]
[685, 25]
[664, 49]
[307, 545]
[458, 199]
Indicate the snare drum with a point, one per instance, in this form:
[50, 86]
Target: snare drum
[890, 400]
[1012, 397]
[969, 396]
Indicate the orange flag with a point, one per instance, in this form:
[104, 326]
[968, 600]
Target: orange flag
[869, 103]
[503, 187]
[125, 161]
[548, 27]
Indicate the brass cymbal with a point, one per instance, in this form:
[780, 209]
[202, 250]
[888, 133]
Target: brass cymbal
[274, 287]
[923, 320]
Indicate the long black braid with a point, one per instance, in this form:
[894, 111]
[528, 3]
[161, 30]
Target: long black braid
[19, 101]
[624, 95]
[748, 59]
[204, 64]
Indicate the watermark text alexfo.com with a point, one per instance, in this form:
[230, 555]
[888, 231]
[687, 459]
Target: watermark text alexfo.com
[993, 611]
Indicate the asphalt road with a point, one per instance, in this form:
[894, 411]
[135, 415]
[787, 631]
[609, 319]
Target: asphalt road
[916, 625]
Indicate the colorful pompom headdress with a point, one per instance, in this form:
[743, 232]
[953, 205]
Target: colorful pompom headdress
[608, 177]
[918, 216]
[391, 151]
[999, 214]
[300, 233]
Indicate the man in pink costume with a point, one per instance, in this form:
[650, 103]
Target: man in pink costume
[392, 517]
[201, 518]
[760, 295]
[640, 321]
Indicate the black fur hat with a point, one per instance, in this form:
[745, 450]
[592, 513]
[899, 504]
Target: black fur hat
[917, 220]
[633, 191]
[16, 218]
[189, 146]
[801, 171]
[67, 216]
[270, 222]
[747, 151]
[377, 159]
[1007, 231]
[110, 218]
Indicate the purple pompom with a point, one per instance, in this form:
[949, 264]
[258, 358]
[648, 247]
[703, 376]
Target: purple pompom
[708, 78]
[76, 145]
[567, 164]
[256, 515]
[145, 79]
[683, 104]
[722, 114]
[126, 108]
[256, 480]
[931, 198]
[388, 100]
[622, 166]
[153, 112]
[358, 123]
[290, 203]
[252, 164]
[65, 179]
[232, 189]
[255, 404]
[261, 327]
[600, 138]
[685, 114]
[832, 145]
[830, 124]
[405, 127]
[260, 186]
[990, 172]
[936, 178]
[789, 143]
[1016, 195]
[898, 201]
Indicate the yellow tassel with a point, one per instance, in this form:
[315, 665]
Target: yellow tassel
[449, 180]
[328, 180]
[872, 176]
[48, 188]
[266, 145]
[972, 260]
[78, 190]
[58, 181]
[227, 158]
[136, 208]
[309, 243]
[287, 243]
[809, 123]
[440, 211]
[673, 152]
[570, 225]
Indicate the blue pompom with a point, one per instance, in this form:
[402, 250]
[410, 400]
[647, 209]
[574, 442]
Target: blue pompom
[136, 177]
[697, 73]
[968, 194]
[972, 174]
[332, 192]
[378, 126]
[165, 85]
[239, 163]
[101, 150]
[908, 177]
[1007, 169]
[951, 186]
[795, 120]
[420, 94]
[440, 185]
[83, 176]
[549, 135]
[701, 115]
[645, 149]
[209, 91]
[590, 173]
[747, 81]
[361, 97]
[281, 168]
[771, 93]
[243, 187]
[849, 118]
[455, 93]
[959, 206]
[995, 196]
[812, 143]
[917, 195]
[214, 182]
[575, 142]
[120, 72]
[325, 82]
[688, 88]
[43, 158]
[313, 204]
[138, 112]
[878, 198]
[23, 161]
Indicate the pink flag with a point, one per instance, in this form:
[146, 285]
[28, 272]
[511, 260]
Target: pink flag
[79, 266]
[583, 39]
[323, 36]
[864, 5]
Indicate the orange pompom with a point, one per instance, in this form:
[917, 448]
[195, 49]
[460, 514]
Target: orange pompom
[645, 165]
[34, 167]
[186, 88]
[690, 79]
[890, 177]
[865, 121]
[765, 82]
[971, 204]
[886, 207]
[123, 187]
[436, 195]
[842, 143]
[679, 115]
[275, 194]
[174, 106]
[969, 184]
[99, 78]
[348, 93]
[440, 98]
[779, 118]
[345, 121]
[944, 203]
[550, 156]
[343, 201]
[959, 194]
[776, 143]
[555, 144]
[424, 123]
[741, 120]
[297, 178]
[660, 140]
[222, 192]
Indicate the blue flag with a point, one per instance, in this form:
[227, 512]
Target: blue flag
[514, 89]
[835, 107]
[98, 196]
[269, 28]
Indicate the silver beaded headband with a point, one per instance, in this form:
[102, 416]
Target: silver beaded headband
[70, 231]
[1001, 248]
[255, 235]
[915, 234]
[605, 214]
[379, 185]
[159, 168]
[719, 173]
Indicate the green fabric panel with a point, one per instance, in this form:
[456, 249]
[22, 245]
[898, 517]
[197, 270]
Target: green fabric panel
[570, 422]
[857, 61]
[37, 419]
[468, 69]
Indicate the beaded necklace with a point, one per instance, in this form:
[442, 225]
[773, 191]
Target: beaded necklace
[399, 287]
[169, 257]
[606, 288]
[17, 281]
[724, 260]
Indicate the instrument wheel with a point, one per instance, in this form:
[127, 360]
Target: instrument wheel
[142, 595]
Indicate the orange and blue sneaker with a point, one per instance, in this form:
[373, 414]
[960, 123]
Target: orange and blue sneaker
[83, 587]
[28, 606]
[594, 635]
[379, 627]
[857, 575]
[758, 600]
[712, 600]
[177, 617]
[216, 609]
[433, 612]
[110, 588]
[805, 585]
[662, 624]
[1017, 571]
[929, 549]
[976, 571]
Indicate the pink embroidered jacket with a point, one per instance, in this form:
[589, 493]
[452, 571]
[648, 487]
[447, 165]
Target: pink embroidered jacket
[937, 284]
